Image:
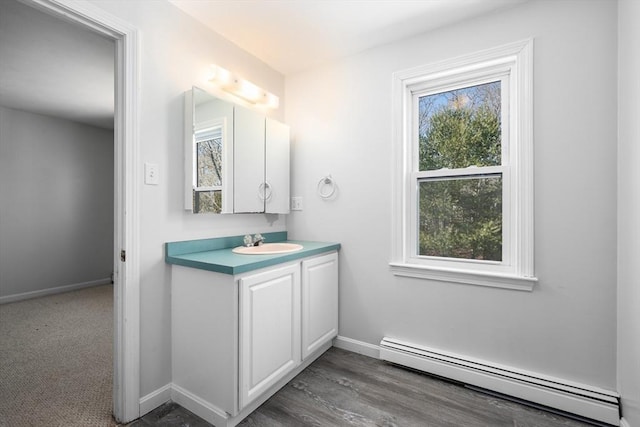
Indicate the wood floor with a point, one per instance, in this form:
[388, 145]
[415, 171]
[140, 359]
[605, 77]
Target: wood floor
[343, 388]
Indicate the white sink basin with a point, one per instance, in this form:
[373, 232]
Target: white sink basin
[268, 249]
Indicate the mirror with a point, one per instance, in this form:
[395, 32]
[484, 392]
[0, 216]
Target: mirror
[208, 156]
[236, 159]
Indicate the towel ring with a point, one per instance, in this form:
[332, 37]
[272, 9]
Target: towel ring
[323, 184]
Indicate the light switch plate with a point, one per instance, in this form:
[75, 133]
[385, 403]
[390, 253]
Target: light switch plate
[296, 203]
[151, 174]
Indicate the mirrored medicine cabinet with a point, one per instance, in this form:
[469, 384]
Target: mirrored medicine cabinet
[236, 159]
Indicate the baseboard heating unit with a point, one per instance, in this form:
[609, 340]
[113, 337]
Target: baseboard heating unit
[586, 401]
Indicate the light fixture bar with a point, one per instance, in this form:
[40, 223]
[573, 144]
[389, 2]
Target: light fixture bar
[242, 88]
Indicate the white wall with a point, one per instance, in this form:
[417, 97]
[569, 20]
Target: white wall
[175, 53]
[629, 210]
[340, 116]
[56, 214]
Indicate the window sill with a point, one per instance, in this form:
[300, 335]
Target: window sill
[493, 280]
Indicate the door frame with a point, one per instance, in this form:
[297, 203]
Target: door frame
[126, 356]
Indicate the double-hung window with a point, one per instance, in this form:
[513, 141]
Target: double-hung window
[463, 170]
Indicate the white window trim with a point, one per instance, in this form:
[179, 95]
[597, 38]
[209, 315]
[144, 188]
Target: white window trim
[518, 273]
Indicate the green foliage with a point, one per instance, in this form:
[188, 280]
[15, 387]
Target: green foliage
[461, 137]
[461, 217]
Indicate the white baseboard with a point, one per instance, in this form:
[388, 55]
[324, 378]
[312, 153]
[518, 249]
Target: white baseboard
[51, 291]
[175, 393]
[198, 406]
[355, 346]
[154, 399]
[584, 400]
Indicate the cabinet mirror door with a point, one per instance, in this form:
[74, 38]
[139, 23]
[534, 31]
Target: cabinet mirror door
[277, 167]
[236, 159]
[208, 153]
[249, 187]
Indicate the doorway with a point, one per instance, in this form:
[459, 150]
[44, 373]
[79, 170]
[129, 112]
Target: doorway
[126, 298]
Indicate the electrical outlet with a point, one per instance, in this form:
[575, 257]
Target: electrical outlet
[296, 203]
[151, 174]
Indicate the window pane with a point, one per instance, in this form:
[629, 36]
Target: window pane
[207, 201]
[461, 217]
[460, 128]
[209, 163]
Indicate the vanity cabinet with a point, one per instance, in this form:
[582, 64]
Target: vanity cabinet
[236, 339]
[269, 329]
[319, 301]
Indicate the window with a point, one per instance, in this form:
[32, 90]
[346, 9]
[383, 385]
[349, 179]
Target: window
[463, 170]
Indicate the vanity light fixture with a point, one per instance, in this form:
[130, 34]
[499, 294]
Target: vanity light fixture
[242, 88]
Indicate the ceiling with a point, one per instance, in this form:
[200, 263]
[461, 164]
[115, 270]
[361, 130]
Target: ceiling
[52, 67]
[291, 36]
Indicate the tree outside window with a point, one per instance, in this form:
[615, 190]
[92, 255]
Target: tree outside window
[460, 216]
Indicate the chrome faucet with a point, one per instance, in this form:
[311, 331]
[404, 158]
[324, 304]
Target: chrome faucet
[256, 240]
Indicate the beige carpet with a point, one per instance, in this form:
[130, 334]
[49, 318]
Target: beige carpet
[56, 357]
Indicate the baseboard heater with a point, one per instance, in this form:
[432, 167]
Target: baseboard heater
[586, 401]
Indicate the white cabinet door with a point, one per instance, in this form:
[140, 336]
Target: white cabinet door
[269, 329]
[277, 167]
[319, 301]
[248, 161]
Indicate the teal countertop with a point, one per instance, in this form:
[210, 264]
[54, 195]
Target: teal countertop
[216, 255]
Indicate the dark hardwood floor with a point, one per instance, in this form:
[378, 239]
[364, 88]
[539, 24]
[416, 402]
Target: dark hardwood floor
[342, 388]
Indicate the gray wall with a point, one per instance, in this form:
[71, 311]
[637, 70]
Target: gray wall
[175, 54]
[629, 211]
[340, 116]
[56, 202]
